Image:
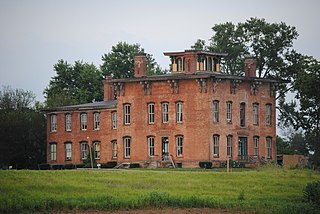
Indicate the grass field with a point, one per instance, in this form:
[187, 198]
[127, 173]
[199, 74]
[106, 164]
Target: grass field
[266, 190]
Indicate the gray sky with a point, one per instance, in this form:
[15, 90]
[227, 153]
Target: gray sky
[35, 34]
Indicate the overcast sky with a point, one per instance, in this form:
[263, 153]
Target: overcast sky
[35, 34]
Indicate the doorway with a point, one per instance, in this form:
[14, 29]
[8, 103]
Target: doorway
[243, 148]
[165, 148]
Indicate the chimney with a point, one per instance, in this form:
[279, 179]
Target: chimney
[108, 89]
[250, 64]
[140, 65]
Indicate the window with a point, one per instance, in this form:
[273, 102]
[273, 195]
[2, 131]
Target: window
[215, 111]
[256, 146]
[68, 150]
[151, 113]
[53, 151]
[84, 150]
[179, 64]
[96, 121]
[229, 145]
[68, 122]
[150, 146]
[268, 114]
[269, 147]
[242, 114]
[229, 112]
[127, 142]
[53, 121]
[114, 120]
[126, 112]
[114, 146]
[165, 112]
[216, 145]
[179, 146]
[179, 117]
[96, 150]
[255, 113]
[83, 121]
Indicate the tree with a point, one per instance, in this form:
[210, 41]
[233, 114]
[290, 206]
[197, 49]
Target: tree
[74, 84]
[303, 113]
[200, 44]
[268, 43]
[22, 130]
[119, 63]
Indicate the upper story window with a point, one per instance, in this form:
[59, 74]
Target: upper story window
[96, 121]
[179, 114]
[114, 120]
[179, 64]
[256, 146]
[150, 146]
[268, 114]
[84, 150]
[179, 146]
[269, 147]
[68, 118]
[114, 148]
[126, 113]
[53, 123]
[229, 112]
[83, 121]
[229, 145]
[242, 114]
[127, 147]
[216, 111]
[216, 145]
[68, 150]
[96, 150]
[53, 151]
[151, 113]
[255, 113]
[165, 112]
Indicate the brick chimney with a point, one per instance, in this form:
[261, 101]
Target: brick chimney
[140, 65]
[108, 89]
[250, 65]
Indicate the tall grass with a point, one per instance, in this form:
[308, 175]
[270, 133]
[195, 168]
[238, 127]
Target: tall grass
[267, 190]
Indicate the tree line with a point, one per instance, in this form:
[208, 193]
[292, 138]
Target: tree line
[23, 125]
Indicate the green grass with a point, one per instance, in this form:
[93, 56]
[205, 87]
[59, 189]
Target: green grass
[266, 190]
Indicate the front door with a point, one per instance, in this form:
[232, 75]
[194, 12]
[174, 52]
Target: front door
[165, 148]
[243, 148]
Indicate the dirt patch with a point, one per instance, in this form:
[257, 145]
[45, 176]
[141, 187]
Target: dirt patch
[155, 211]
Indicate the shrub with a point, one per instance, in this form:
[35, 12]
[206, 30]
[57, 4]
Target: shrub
[312, 192]
[110, 164]
[44, 166]
[70, 166]
[134, 165]
[205, 164]
[81, 165]
[57, 166]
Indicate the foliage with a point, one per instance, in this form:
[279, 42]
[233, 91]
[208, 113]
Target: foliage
[265, 191]
[74, 84]
[296, 144]
[269, 43]
[119, 63]
[205, 164]
[22, 130]
[312, 192]
[110, 164]
[200, 44]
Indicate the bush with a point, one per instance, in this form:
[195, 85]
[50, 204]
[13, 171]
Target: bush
[44, 166]
[81, 165]
[134, 165]
[57, 166]
[205, 165]
[110, 164]
[312, 192]
[70, 166]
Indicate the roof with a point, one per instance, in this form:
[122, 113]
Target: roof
[188, 52]
[110, 104]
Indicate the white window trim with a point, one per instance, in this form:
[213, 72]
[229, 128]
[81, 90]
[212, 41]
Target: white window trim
[53, 123]
[53, 151]
[256, 146]
[95, 152]
[256, 114]
[216, 145]
[151, 147]
[114, 120]
[126, 114]
[127, 147]
[84, 150]
[114, 148]
[68, 118]
[96, 121]
[229, 145]
[179, 146]
[151, 115]
[216, 111]
[179, 112]
[165, 112]
[229, 112]
[83, 121]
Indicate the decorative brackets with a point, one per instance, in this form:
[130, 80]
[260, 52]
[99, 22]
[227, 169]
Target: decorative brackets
[119, 88]
[215, 83]
[147, 87]
[202, 83]
[233, 85]
[174, 86]
[273, 88]
[255, 86]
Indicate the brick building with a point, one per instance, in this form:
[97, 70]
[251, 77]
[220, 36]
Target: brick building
[195, 113]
